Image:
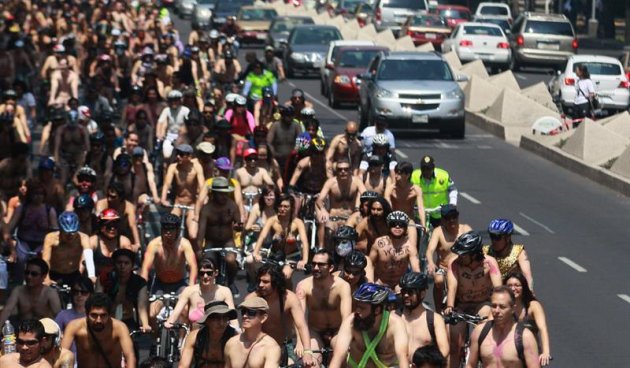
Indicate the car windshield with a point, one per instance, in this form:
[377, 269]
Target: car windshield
[455, 13]
[286, 25]
[349, 4]
[405, 4]
[315, 36]
[206, 1]
[503, 23]
[356, 58]
[429, 20]
[482, 31]
[257, 14]
[493, 10]
[600, 68]
[550, 28]
[429, 70]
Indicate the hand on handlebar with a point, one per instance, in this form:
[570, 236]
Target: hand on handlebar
[146, 329]
[301, 265]
[544, 359]
[166, 203]
[431, 268]
[323, 217]
[446, 311]
[167, 324]
[257, 257]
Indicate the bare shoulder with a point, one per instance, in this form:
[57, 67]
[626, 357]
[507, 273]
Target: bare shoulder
[74, 325]
[85, 240]
[120, 328]
[185, 244]
[291, 300]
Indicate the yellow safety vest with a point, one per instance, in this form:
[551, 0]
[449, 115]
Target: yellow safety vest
[434, 191]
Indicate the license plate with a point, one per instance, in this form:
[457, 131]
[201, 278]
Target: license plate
[431, 36]
[548, 46]
[419, 119]
[261, 36]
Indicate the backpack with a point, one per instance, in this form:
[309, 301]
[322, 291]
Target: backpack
[518, 338]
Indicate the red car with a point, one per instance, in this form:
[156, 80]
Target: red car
[349, 61]
[454, 14]
[426, 28]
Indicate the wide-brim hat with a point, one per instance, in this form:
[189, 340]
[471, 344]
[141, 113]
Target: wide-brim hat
[214, 308]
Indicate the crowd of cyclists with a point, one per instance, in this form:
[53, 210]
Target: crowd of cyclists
[109, 116]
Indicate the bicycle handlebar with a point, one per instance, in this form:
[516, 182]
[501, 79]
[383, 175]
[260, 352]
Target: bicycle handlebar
[163, 297]
[455, 317]
[233, 250]
[180, 206]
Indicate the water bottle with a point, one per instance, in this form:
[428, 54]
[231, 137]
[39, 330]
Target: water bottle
[8, 338]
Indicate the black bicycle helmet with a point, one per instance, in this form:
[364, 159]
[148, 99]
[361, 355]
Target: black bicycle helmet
[414, 280]
[367, 195]
[355, 259]
[97, 137]
[371, 293]
[286, 110]
[346, 232]
[87, 171]
[397, 217]
[467, 243]
[83, 201]
[170, 221]
[9, 94]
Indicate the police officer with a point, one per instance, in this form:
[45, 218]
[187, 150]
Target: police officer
[437, 186]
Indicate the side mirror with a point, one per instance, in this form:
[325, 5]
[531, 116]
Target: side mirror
[367, 76]
[461, 78]
[330, 66]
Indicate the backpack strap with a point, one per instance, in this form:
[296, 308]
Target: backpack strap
[484, 332]
[431, 326]
[518, 341]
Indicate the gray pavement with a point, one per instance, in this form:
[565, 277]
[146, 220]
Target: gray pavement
[576, 231]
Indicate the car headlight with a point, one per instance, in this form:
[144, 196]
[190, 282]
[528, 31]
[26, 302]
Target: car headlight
[205, 13]
[382, 92]
[299, 57]
[342, 79]
[455, 94]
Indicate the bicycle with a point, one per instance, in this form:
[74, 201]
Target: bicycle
[307, 214]
[424, 235]
[222, 253]
[249, 199]
[65, 295]
[471, 320]
[326, 356]
[184, 209]
[167, 342]
[145, 237]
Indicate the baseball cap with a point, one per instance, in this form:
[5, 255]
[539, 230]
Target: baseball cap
[184, 148]
[217, 307]
[255, 303]
[206, 147]
[249, 152]
[50, 326]
[448, 209]
[427, 161]
[269, 48]
[223, 163]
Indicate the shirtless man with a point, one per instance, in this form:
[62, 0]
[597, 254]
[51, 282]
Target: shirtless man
[188, 179]
[101, 341]
[470, 279]
[169, 256]
[345, 146]
[510, 257]
[326, 300]
[217, 223]
[253, 348]
[285, 314]
[344, 191]
[52, 351]
[441, 241]
[72, 142]
[309, 175]
[374, 179]
[33, 299]
[424, 327]
[392, 254]
[496, 343]
[64, 84]
[281, 136]
[29, 346]
[364, 209]
[66, 250]
[194, 298]
[403, 195]
[144, 178]
[251, 177]
[204, 347]
[371, 336]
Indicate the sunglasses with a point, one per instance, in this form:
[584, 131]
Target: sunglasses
[251, 158]
[319, 264]
[343, 169]
[496, 236]
[27, 342]
[32, 273]
[110, 227]
[398, 224]
[250, 313]
[206, 273]
[353, 272]
[80, 292]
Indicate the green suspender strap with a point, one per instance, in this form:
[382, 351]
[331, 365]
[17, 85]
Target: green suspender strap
[370, 346]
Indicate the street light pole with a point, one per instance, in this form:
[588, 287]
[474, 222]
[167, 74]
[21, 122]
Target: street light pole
[592, 23]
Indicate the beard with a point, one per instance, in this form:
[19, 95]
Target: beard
[364, 324]
[97, 327]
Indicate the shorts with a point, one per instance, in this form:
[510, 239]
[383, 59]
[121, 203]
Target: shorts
[160, 288]
[167, 145]
[64, 278]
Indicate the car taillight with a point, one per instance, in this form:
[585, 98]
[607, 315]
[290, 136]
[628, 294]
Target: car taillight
[574, 44]
[503, 45]
[465, 43]
[569, 81]
[624, 84]
[377, 14]
[520, 40]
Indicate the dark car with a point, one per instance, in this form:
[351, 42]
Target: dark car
[280, 29]
[306, 48]
[227, 8]
[350, 61]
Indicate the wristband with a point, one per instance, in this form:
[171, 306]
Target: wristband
[308, 352]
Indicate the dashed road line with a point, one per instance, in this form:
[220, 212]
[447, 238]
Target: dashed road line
[624, 297]
[322, 104]
[572, 264]
[470, 198]
[401, 154]
[520, 230]
[484, 146]
[444, 145]
[537, 223]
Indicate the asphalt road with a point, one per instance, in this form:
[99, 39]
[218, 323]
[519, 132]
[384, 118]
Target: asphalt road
[576, 231]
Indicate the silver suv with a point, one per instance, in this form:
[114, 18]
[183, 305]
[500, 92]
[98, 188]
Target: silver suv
[393, 13]
[414, 91]
[542, 39]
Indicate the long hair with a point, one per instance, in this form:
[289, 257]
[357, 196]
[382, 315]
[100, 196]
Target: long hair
[387, 209]
[526, 293]
[584, 70]
[278, 281]
[261, 198]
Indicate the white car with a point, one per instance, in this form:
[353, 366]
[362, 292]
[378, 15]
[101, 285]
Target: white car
[480, 41]
[495, 10]
[325, 69]
[610, 81]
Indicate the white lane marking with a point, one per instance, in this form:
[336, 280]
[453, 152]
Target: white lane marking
[444, 145]
[401, 153]
[624, 297]
[483, 146]
[479, 136]
[572, 264]
[537, 223]
[470, 198]
[520, 230]
[322, 104]
[519, 76]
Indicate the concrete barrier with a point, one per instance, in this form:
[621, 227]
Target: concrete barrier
[539, 93]
[337, 21]
[595, 144]
[404, 44]
[385, 38]
[452, 59]
[513, 109]
[480, 94]
[505, 80]
[619, 123]
[474, 68]
[350, 30]
[367, 33]
[425, 47]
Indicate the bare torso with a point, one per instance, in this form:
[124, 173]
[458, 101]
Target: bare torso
[392, 260]
[36, 303]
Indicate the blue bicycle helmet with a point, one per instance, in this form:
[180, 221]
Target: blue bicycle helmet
[501, 227]
[69, 222]
[84, 201]
[372, 293]
[46, 163]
